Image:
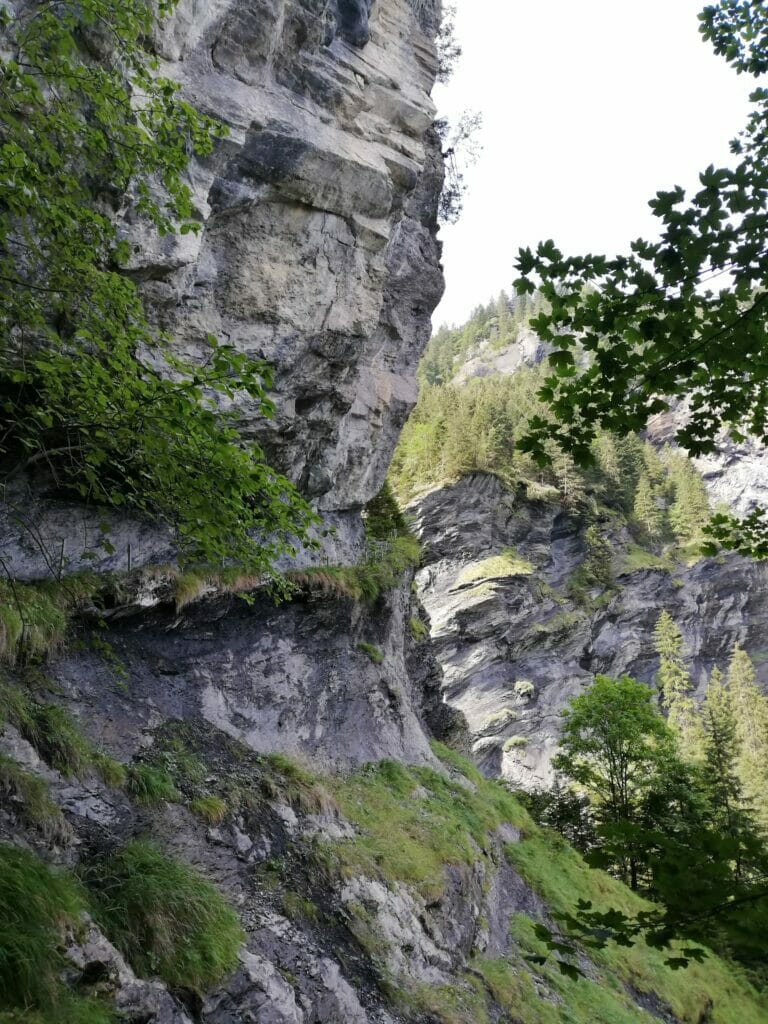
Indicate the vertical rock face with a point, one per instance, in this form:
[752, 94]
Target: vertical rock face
[318, 247]
[318, 251]
[516, 644]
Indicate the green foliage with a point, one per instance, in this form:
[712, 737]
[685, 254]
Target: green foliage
[381, 571]
[491, 327]
[562, 878]
[750, 711]
[297, 908]
[164, 917]
[29, 796]
[675, 827]
[674, 685]
[382, 517]
[37, 905]
[89, 390]
[646, 510]
[634, 332]
[211, 809]
[419, 630]
[371, 652]
[506, 565]
[149, 785]
[611, 744]
[408, 837]
[596, 570]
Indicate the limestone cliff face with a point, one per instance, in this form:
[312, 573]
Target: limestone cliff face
[318, 250]
[515, 646]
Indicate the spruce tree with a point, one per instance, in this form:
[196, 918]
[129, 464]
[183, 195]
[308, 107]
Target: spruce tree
[674, 686]
[722, 752]
[689, 511]
[751, 716]
[646, 511]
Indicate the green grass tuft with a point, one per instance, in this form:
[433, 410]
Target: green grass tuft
[34, 617]
[165, 918]
[298, 909]
[30, 796]
[419, 629]
[148, 786]
[56, 736]
[506, 565]
[636, 559]
[37, 905]
[372, 652]
[381, 572]
[211, 809]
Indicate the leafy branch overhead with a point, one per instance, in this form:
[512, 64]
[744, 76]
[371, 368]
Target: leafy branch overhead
[682, 318]
[89, 392]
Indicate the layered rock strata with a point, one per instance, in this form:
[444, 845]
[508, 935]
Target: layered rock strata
[317, 253]
[515, 645]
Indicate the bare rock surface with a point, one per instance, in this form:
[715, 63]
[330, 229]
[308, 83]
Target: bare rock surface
[318, 249]
[515, 649]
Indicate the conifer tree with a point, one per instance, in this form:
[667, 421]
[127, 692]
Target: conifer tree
[689, 511]
[751, 716]
[646, 511]
[722, 751]
[674, 686]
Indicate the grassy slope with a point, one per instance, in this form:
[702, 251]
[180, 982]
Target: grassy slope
[408, 838]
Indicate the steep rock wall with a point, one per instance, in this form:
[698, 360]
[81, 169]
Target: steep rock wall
[317, 253]
[493, 633]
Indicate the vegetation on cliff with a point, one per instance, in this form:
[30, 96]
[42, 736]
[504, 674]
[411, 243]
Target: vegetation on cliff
[92, 396]
[681, 317]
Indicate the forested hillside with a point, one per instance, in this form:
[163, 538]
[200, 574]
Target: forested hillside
[548, 589]
[476, 425]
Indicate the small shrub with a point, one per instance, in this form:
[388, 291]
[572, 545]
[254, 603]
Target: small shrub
[296, 908]
[165, 918]
[515, 743]
[58, 740]
[525, 689]
[382, 516]
[370, 651]
[147, 785]
[37, 905]
[210, 808]
[419, 630]
[31, 795]
[507, 565]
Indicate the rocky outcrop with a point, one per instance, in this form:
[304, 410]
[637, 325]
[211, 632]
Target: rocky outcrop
[515, 644]
[317, 253]
[324, 679]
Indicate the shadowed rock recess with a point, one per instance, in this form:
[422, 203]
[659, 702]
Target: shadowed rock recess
[226, 811]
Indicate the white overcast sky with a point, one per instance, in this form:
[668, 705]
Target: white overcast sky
[589, 108]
